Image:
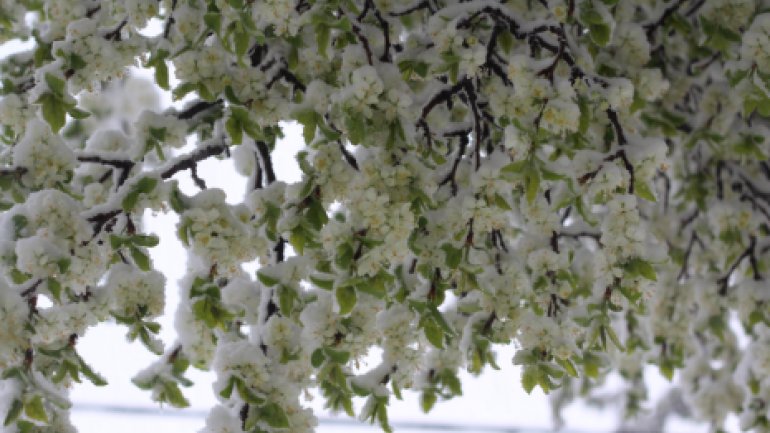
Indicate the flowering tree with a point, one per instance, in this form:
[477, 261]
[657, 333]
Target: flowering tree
[584, 179]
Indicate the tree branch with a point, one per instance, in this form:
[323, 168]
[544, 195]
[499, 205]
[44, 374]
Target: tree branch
[190, 161]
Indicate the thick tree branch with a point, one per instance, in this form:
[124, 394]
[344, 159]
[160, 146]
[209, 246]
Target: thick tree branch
[124, 165]
[190, 161]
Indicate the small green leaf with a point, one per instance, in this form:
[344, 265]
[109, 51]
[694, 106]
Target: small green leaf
[182, 90]
[529, 378]
[322, 35]
[141, 259]
[130, 200]
[642, 190]
[433, 333]
[234, 130]
[505, 39]
[77, 113]
[161, 74]
[145, 240]
[146, 185]
[452, 256]
[666, 370]
[600, 34]
[286, 297]
[19, 223]
[56, 85]
[176, 199]
[35, 410]
[356, 128]
[322, 283]
[267, 280]
[533, 184]
[173, 395]
[55, 288]
[317, 358]
[346, 299]
[427, 401]
[568, 366]
[63, 264]
[13, 412]
[213, 20]
[642, 267]
[337, 356]
[54, 111]
[297, 240]
[91, 375]
[227, 391]
[274, 415]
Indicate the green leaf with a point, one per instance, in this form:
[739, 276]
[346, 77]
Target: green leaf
[433, 333]
[529, 378]
[241, 40]
[756, 317]
[55, 288]
[213, 20]
[309, 120]
[337, 356]
[19, 223]
[600, 34]
[427, 401]
[173, 395]
[274, 415]
[505, 39]
[35, 410]
[18, 276]
[161, 74]
[533, 184]
[356, 128]
[316, 215]
[182, 90]
[267, 280]
[666, 370]
[641, 267]
[176, 200]
[591, 16]
[145, 240]
[77, 113]
[130, 200]
[247, 394]
[322, 35]
[642, 190]
[141, 259]
[227, 391]
[297, 240]
[452, 255]
[286, 297]
[322, 283]
[568, 366]
[317, 358]
[13, 412]
[614, 338]
[91, 375]
[346, 299]
[234, 130]
[54, 111]
[56, 85]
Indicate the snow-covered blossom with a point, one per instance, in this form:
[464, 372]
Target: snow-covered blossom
[756, 41]
[136, 293]
[44, 156]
